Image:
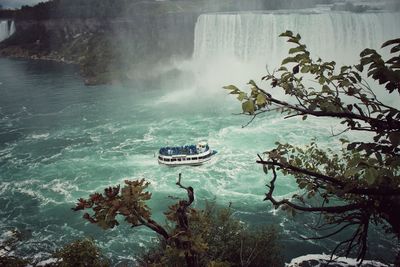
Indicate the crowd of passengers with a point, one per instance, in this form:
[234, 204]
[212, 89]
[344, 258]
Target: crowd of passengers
[182, 150]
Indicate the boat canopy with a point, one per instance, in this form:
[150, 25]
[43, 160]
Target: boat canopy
[184, 150]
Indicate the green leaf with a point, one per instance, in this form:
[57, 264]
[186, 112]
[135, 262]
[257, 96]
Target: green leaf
[359, 67]
[242, 96]
[358, 76]
[231, 87]
[248, 107]
[390, 42]
[345, 83]
[366, 60]
[351, 146]
[312, 106]
[261, 99]
[350, 172]
[394, 138]
[344, 68]
[286, 34]
[302, 184]
[305, 69]
[367, 52]
[289, 60]
[326, 89]
[395, 49]
[371, 174]
[252, 82]
[300, 48]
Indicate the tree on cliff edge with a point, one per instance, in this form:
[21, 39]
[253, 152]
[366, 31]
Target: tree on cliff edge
[192, 237]
[130, 202]
[353, 186]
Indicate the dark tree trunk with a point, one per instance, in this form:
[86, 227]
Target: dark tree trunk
[183, 223]
[192, 261]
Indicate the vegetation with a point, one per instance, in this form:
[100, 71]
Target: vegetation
[106, 9]
[352, 187]
[226, 242]
[229, 242]
[7, 249]
[348, 6]
[6, 13]
[193, 237]
[80, 253]
[77, 253]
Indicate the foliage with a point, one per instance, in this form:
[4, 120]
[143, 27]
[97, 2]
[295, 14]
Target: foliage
[107, 9]
[81, 253]
[348, 6]
[228, 241]
[87, 9]
[98, 59]
[192, 237]
[130, 203]
[359, 184]
[6, 13]
[8, 248]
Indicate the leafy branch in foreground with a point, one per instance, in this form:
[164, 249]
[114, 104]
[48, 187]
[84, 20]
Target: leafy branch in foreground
[354, 186]
[130, 202]
[230, 242]
[192, 237]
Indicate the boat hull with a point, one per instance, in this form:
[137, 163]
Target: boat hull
[182, 160]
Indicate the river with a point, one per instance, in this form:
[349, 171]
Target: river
[60, 141]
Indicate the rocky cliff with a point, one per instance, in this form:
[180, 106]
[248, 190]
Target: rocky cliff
[106, 49]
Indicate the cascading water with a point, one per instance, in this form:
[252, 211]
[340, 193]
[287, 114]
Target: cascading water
[234, 48]
[242, 45]
[253, 37]
[7, 29]
[62, 142]
[12, 28]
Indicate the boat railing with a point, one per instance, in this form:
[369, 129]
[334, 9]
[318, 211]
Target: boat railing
[182, 150]
[192, 158]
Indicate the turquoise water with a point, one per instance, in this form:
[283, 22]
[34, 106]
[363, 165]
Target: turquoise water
[60, 141]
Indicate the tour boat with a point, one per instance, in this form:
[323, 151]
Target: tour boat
[185, 155]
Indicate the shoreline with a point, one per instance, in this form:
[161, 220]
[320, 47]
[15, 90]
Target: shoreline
[25, 55]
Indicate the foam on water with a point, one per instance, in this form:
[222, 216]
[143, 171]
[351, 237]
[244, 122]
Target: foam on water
[39, 136]
[82, 140]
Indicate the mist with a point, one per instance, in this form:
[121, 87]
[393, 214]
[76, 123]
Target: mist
[202, 48]
[99, 86]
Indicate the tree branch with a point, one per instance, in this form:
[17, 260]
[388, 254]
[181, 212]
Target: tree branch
[359, 191]
[332, 209]
[346, 115]
[183, 221]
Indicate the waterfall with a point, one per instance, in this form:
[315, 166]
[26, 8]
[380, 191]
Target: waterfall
[253, 37]
[12, 28]
[7, 29]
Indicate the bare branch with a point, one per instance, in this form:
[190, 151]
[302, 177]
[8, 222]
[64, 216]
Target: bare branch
[331, 234]
[359, 191]
[332, 209]
[250, 121]
[384, 125]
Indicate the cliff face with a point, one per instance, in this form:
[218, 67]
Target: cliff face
[106, 49]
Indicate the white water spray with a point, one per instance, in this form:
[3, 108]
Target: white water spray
[7, 28]
[252, 38]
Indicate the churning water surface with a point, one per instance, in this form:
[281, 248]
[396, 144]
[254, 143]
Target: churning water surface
[60, 141]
